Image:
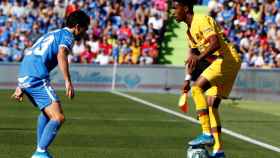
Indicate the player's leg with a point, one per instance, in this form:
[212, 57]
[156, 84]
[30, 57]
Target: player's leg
[215, 122]
[197, 90]
[209, 77]
[41, 124]
[213, 101]
[56, 116]
[223, 90]
[42, 119]
[216, 128]
[42, 96]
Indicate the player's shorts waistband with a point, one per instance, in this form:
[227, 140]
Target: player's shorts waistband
[27, 81]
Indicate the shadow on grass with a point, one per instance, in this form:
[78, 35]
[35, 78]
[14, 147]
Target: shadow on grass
[169, 33]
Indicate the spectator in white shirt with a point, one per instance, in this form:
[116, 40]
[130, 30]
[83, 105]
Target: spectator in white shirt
[77, 50]
[102, 58]
[157, 23]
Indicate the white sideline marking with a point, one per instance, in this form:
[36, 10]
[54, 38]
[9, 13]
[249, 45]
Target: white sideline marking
[229, 132]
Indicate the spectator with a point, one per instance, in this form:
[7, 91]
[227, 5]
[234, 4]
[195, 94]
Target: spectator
[105, 46]
[77, 50]
[116, 52]
[135, 52]
[87, 56]
[160, 5]
[277, 42]
[213, 7]
[6, 7]
[145, 59]
[94, 44]
[16, 54]
[259, 60]
[255, 12]
[249, 59]
[4, 52]
[129, 13]
[3, 18]
[253, 26]
[125, 31]
[153, 50]
[277, 59]
[141, 13]
[22, 22]
[59, 9]
[125, 52]
[157, 23]
[271, 34]
[35, 34]
[102, 58]
[277, 18]
[17, 9]
[4, 34]
[70, 8]
[96, 30]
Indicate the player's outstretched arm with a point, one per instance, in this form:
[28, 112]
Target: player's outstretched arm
[64, 68]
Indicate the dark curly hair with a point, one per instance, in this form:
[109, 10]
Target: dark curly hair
[188, 3]
[77, 17]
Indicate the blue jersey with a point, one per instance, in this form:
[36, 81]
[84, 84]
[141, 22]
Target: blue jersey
[41, 58]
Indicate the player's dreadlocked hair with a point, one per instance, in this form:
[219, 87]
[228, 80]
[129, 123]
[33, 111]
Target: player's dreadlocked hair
[188, 3]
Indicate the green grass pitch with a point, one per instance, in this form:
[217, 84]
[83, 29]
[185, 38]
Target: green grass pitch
[103, 125]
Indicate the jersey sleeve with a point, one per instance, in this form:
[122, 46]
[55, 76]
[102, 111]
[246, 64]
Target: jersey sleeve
[207, 26]
[66, 41]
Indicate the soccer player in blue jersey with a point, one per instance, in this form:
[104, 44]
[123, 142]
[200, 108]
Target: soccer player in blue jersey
[33, 79]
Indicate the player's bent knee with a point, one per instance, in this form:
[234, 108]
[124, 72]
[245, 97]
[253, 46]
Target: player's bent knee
[54, 112]
[58, 117]
[61, 118]
[213, 101]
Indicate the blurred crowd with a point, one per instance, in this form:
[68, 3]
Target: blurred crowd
[126, 31]
[253, 26]
[130, 31]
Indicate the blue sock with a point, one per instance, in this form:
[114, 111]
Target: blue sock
[49, 134]
[41, 124]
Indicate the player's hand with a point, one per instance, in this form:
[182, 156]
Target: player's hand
[69, 90]
[192, 62]
[186, 86]
[18, 94]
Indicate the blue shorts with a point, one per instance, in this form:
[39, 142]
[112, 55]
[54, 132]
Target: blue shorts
[41, 94]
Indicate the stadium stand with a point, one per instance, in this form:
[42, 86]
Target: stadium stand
[127, 31]
[254, 26]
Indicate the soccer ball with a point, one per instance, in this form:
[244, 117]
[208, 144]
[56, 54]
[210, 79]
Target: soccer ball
[197, 152]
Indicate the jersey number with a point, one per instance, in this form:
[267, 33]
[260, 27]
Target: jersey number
[42, 45]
